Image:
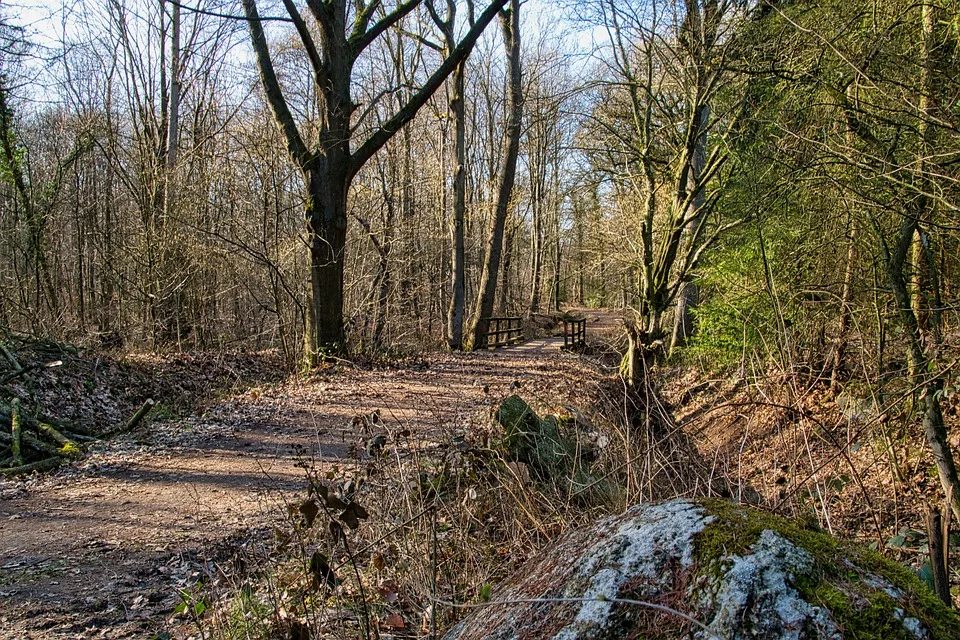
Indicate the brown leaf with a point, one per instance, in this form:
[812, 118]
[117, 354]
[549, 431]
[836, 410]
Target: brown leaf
[299, 631]
[394, 621]
[359, 510]
[349, 518]
[321, 571]
[321, 490]
[283, 538]
[336, 531]
[352, 514]
[309, 510]
[335, 503]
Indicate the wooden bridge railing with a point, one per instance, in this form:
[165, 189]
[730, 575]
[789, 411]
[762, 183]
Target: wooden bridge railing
[574, 333]
[499, 332]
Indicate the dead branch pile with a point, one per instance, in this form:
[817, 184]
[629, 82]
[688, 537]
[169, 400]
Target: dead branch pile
[31, 440]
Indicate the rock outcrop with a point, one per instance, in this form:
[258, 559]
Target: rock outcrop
[708, 569]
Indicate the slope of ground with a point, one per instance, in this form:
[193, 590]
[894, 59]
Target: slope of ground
[855, 464]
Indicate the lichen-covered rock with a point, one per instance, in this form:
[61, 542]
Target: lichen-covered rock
[708, 569]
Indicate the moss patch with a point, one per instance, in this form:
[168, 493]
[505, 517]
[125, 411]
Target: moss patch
[868, 595]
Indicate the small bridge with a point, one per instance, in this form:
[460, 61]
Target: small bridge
[574, 333]
[501, 331]
[504, 331]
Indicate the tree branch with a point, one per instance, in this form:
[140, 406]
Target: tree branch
[271, 86]
[409, 110]
[361, 39]
[319, 70]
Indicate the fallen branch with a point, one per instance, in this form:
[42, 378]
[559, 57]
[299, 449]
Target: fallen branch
[134, 420]
[14, 364]
[49, 431]
[47, 464]
[33, 367]
[75, 429]
[70, 431]
[66, 451]
[76, 437]
[32, 440]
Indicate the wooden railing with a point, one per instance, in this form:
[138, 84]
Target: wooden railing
[499, 332]
[574, 333]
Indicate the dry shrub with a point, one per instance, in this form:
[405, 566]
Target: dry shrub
[387, 542]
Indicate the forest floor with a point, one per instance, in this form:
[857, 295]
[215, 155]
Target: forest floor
[102, 549]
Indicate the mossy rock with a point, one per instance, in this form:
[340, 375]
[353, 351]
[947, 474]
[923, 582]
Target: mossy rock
[539, 443]
[714, 570]
[517, 419]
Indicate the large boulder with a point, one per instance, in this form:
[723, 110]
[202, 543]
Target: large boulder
[708, 569]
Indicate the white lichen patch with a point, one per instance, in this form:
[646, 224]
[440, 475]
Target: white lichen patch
[756, 599]
[912, 625]
[880, 584]
[874, 581]
[648, 543]
[775, 589]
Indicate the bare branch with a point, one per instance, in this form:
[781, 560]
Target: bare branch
[409, 110]
[360, 40]
[271, 87]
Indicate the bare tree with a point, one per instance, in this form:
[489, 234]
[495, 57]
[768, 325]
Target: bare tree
[457, 114]
[665, 63]
[329, 165]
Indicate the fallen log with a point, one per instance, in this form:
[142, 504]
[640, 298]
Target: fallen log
[71, 431]
[48, 430]
[47, 464]
[39, 445]
[14, 363]
[64, 426]
[78, 437]
[25, 370]
[70, 450]
[29, 442]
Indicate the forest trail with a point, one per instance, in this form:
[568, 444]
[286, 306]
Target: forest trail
[101, 550]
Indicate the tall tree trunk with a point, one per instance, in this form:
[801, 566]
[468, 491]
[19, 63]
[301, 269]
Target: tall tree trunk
[510, 26]
[931, 386]
[846, 294]
[689, 296]
[330, 166]
[36, 220]
[536, 253]
[173, 110]
[921, 239]
[509, 245]
[557, 255]
[458, 266]
[170, 302]
[327, 222]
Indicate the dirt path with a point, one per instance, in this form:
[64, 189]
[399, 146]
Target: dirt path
[101, 549]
